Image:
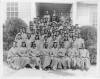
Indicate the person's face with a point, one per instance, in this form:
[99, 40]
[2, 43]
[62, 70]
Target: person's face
[53, 18]
[79, 35]
[47, 12]
[46, 45]
[46, 19]
[67, 38]
[62, 45]
[45, 37]
[64, 27]
[61, 31]
[54, 37]
[19, 36]
[41, 20]
[24, 30]
[63, 34]
[55, 45]
[74, 38]
[14, 44]
[21, 30]
[35, 20]
[57, 33]
[76, 25]
[31, 28]
[33, 32]
[24, 44]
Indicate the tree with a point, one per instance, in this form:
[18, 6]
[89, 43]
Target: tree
[10, 29]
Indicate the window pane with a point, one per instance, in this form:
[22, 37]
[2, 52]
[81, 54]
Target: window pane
[16, 9]
[8, 9]
[8, 17]
[8, 4]
[16, 14]
[12, 4]
[15, 17]
[16, 4]
[12, 14]
[8, 13]
[12, 9]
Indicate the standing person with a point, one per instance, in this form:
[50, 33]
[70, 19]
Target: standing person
[79, 42]
[24, 35]
[61, 53]
[53, 55]
[67, 43]
[18, 35]
[59, 38]
[85, 59]
[62, 18]
[31, 26]
[28, 40]
[38, 41]
[18, 38]
[54, 16]
[72, 51]
[50, 42]
[67, 59]
[32, 38]
[78, 59]
[47, 16]
[46, 59]
[34, 24]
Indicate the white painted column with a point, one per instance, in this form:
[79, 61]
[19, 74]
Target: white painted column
[2, 21]
[98, 37]
[33, 13]
[74, 12]
[3, 11]
[33, 10]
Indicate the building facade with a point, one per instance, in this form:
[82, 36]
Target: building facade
[83, 12]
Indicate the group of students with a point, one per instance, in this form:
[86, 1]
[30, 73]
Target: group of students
[49, 45]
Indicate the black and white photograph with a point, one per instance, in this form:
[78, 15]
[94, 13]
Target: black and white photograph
[49, 39]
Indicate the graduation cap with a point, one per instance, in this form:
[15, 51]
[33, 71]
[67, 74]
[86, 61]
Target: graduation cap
[33, 44]
[37, 37]
[55, 44]
[28, 35]
[15, 42]
[23, 44]
[45, 45]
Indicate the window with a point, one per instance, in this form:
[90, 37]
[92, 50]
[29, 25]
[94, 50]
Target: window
[12, 10]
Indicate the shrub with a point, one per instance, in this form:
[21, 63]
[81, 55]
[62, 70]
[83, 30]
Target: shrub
[93, 54]
[89, 34]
